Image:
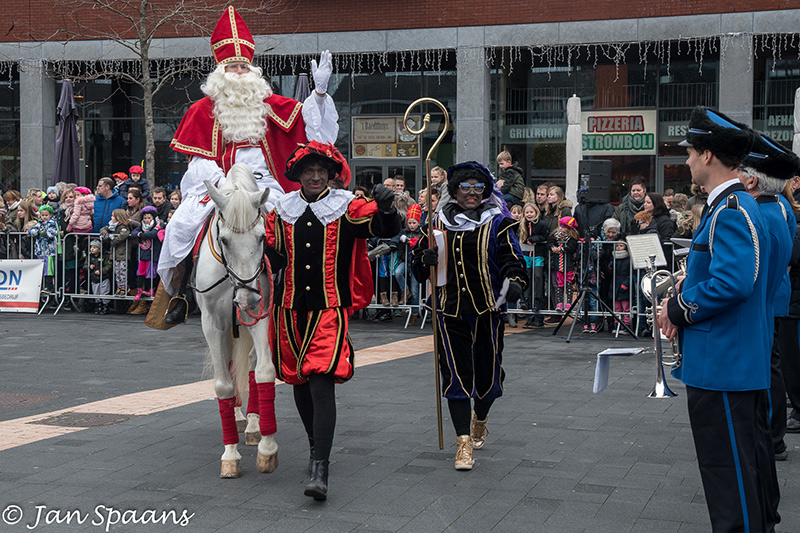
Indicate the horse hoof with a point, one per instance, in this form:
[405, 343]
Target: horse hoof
[252, 439]
[241, 425]
[231, 468]
[267, 464]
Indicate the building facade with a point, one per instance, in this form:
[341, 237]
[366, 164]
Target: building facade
[503, 72]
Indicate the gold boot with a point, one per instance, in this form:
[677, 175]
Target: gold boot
[384, 299]
[395, 300]
[478, 431]
[464, 460]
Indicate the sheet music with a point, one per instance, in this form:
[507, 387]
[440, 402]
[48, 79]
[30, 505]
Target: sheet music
[601, 370]
[441, 268]
[621, 351]
[503, 293]
[601, 374]
[641, 247]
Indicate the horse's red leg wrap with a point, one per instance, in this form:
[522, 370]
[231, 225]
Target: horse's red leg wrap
[230, 435]
[252, 399]
[238, 396]
[266, 402]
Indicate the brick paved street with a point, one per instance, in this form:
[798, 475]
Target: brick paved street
[558, 458]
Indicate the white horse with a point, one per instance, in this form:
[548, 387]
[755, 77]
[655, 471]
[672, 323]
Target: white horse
[233, 286]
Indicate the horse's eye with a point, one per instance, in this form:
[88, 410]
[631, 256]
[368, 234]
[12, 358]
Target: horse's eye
[224, 241]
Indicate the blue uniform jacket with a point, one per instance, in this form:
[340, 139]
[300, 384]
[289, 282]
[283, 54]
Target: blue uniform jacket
[782, 227]
[727, 331]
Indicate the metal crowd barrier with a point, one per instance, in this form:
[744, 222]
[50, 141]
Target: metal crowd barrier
[590, 256]
[77, 288]
[548, 294]
[392, 275]
[21, 245]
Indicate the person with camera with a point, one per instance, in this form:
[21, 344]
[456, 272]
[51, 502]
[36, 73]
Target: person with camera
[482, 256]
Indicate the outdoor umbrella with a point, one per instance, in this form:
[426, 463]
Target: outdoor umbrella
[796, 142]
[574, 147]
[67, 165]
[303, 89]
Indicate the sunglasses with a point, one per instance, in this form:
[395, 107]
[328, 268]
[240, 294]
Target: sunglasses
[467, 187]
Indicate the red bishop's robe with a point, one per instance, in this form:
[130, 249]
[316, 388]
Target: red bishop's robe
[199, 135]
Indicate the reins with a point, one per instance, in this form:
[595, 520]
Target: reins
[238, 281]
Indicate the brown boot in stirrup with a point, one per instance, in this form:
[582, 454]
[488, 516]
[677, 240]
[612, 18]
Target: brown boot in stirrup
[464, 459]
[478, 431]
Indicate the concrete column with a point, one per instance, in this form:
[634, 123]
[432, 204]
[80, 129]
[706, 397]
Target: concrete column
[472, 107]
[736, 78]
[37, 118]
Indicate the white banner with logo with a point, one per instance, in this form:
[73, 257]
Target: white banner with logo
[20, 285]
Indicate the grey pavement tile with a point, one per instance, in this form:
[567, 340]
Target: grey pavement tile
[644, 525]
[692, 512]
[624, 511]
[289, 525]
[558, 458]
[383, 522]
[573, 514]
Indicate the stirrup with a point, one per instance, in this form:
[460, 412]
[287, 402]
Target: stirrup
[173, 304]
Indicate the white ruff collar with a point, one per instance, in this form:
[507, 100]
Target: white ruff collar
[292, 206]
[463, 223]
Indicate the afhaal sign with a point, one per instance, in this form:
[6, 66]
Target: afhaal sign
[20, 284]
[624, 132]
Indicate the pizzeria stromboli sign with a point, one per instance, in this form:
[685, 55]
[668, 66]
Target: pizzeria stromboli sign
[623, 132]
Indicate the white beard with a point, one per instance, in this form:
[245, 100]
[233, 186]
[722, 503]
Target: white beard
[239, 103]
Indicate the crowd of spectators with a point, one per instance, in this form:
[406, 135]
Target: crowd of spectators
[126, 220]
[102, 243]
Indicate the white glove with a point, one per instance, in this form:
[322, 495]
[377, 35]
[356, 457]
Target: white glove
[322, 72]
[403, 238]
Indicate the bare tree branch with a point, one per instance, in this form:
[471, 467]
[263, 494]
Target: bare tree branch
[133, 25]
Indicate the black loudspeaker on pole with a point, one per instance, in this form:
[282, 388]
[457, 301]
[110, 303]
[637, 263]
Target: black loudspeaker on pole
[594, 181]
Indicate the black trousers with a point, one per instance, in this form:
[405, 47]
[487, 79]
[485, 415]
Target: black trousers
[777, 394]
[789, 348]
[471, 356]
[733, 447]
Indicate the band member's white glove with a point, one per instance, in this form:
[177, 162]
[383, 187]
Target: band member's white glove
[322, 72]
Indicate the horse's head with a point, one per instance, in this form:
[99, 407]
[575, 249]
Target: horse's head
[240, 232]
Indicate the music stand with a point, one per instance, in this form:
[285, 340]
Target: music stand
[584, 289]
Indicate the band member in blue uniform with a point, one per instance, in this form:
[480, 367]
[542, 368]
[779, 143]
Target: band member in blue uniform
[482, 253]
[764, 173]
[726, 331]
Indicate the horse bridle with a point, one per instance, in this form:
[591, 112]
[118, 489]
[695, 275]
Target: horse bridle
[238, 281]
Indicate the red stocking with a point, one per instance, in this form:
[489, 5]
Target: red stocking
[230, 435]
[266, 402]
[252, 399]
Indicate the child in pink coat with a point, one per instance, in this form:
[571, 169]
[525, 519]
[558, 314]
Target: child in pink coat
[82, 210]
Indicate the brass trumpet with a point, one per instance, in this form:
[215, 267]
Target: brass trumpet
[656, 284]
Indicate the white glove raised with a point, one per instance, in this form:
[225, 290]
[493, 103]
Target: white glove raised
[322, 72]
[403, 238]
